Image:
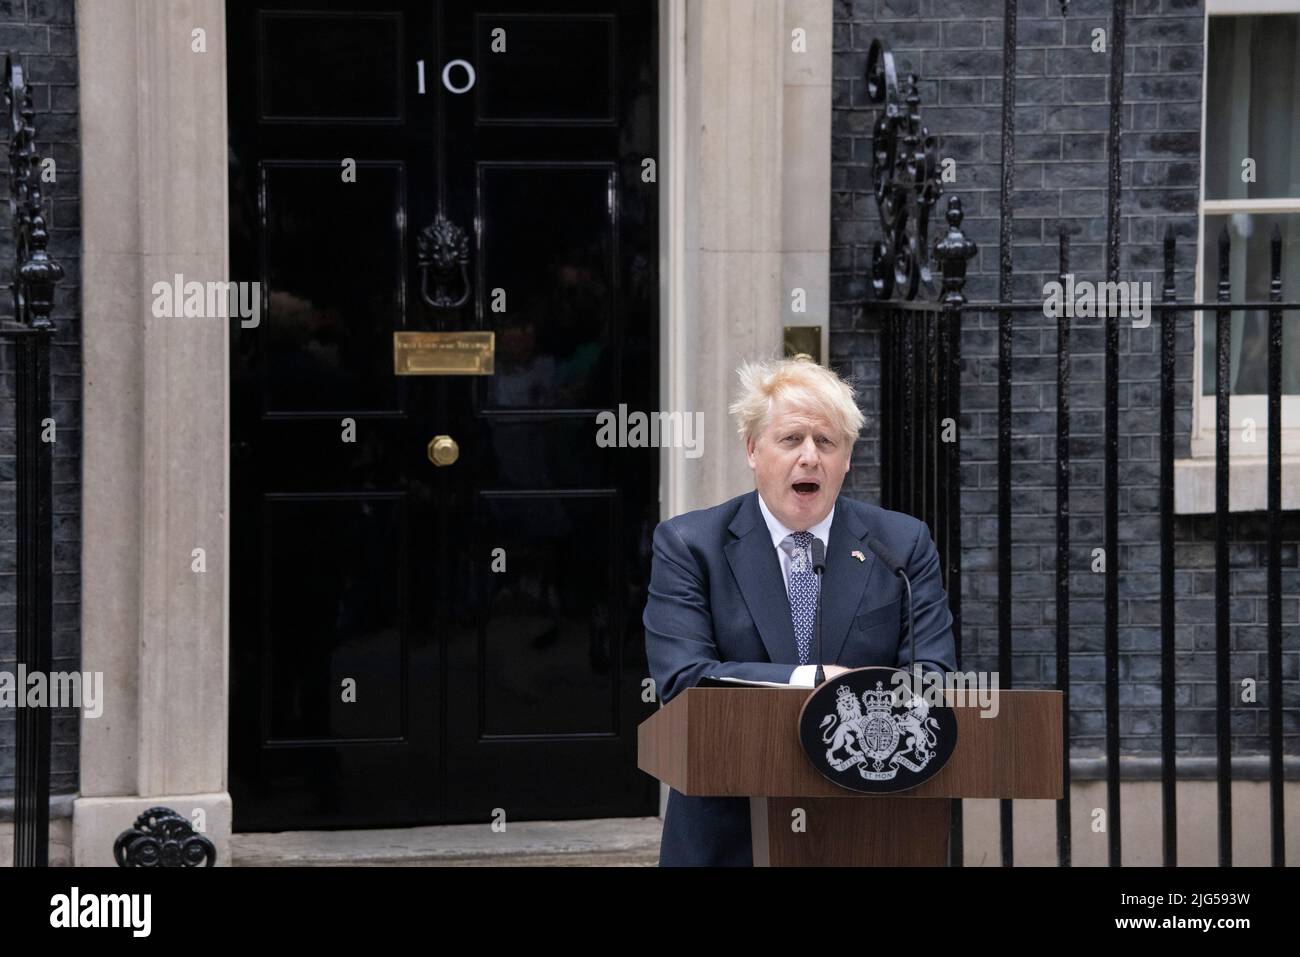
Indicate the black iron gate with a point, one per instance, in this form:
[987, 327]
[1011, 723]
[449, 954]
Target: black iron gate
[920, 317]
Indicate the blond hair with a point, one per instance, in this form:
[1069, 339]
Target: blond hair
[804, 384]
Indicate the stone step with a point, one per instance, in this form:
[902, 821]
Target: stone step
[601, 842]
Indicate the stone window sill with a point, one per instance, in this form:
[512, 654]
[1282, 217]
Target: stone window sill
[1247, 484]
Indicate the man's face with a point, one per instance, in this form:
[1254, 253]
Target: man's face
[799, 464]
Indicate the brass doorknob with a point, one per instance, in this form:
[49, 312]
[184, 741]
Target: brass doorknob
[443, 450]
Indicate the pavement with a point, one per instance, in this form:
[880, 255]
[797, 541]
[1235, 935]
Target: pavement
[603, 842]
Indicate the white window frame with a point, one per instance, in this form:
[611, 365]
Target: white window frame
[1194, 488]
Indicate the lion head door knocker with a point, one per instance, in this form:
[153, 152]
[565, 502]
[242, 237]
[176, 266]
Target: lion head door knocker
[442, 252]
[443, 249]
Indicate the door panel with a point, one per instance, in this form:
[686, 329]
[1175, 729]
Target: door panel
[307, 57]
[546, 625]
[413, 644]
[324, 347]
[548, 242]
[539, 80]
[334, 585]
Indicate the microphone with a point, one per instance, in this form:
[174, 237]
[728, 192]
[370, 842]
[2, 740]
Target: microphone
[895, 566]
[819, 566]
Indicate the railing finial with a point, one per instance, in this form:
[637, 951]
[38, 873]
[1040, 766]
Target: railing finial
[952, 252]
[35, 273]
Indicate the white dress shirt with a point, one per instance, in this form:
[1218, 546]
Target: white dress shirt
[803, 674]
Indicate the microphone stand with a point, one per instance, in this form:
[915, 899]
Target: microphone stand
[911, 634]
[819, 566]
[895, 566]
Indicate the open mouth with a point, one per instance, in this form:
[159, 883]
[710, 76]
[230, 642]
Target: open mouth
[806, 489]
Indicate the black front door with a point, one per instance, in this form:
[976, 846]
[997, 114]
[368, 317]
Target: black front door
[415, 643]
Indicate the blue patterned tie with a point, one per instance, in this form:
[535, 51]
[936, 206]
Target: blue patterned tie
[803, 592]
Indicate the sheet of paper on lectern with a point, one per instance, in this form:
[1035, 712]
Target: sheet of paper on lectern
[724, 681]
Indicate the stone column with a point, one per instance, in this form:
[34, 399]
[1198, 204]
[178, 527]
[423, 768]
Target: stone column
[724, 169]
[153, 118]
[745, 193]
[745, 150]
[806, 172]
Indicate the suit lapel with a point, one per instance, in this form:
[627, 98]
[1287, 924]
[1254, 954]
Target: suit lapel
[845, 578]
[757, 570]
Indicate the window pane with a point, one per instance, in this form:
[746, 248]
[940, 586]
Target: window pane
[1252, 106]
[1250, 234]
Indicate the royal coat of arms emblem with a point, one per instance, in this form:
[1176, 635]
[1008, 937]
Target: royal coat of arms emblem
[868, 732]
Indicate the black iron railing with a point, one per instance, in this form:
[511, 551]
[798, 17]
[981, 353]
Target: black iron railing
[921, 359]
[31, 330]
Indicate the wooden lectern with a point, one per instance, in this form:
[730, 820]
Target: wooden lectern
[744, 742]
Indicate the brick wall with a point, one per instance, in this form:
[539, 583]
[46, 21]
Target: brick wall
[1061, 122]
[42, 34]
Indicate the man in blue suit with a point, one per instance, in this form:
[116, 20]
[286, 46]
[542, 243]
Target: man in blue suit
[732, 590]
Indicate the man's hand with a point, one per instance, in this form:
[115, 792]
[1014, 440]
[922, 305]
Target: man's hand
[834, 670]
